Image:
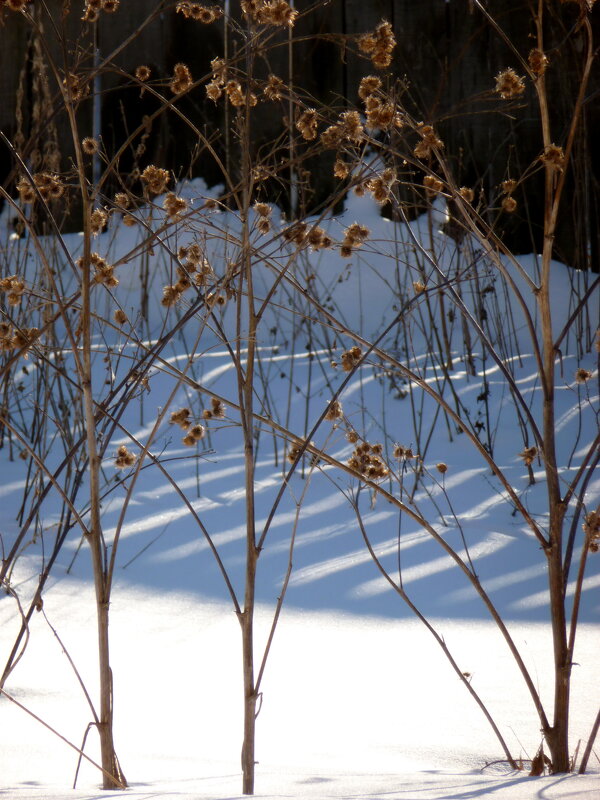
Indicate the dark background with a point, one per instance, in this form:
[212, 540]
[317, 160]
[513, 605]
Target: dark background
[447, 53]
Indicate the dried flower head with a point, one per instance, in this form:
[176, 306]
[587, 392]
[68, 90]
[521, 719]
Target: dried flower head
[182, 79]
[274, 88]
[381, 116]
[125, 458]
[199, 12]
[528, 455]
[181, 418]
[171, 296]
[429, 141]
[122, 200]
[14, 287]
[538, 61]
[582, 375]
[509, 204]
[401, 452]
[16, 5]
[47, 185]
[341, 169]
[318, 239]
[356, 234]
[467, 194]
[366, 461]
[378, 45]
[380, 187]
[334, 411]
[509, 186]
[351, 358]
[269, 12]
[143, 73]
[73, 85]
[419, 287]
[98, 220]
[296, 233]
[368, 86]
[216, 410]
[155, 179]
[194, 434]
[432, 184]
[441, 468]
[307, 124]
[332, 137]
[120, 317]
[89, 146]
[591, 528]
[509, 84]
[263, 209]
[91, 10]
[553, 157]
[173, 204]
[350, 126]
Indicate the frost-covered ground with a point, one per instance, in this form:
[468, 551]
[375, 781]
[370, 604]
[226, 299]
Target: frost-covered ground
[358, 700]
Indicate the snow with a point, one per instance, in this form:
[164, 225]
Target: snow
[358, 699]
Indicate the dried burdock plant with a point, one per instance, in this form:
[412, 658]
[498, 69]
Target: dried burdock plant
[538, 61]
[75, 87]
[509, 204]
[369, 86]
[199, 12]
[334, 411]
[553, 157]
[350, 358]
[182, 79]
[16, 5]
[14, 288]
[379, 45]
[433, 185]
[509, 85]
[98, 220]
[125, 458]
[307, 124]
[582, 375]
[467, 194]
[181, 418]
[216, 410]
[528, 455]
[367, 462]
[274, 88]
[174, 205]
[429, 142]
[195, 434]
[120, 317]
[269, 12]
[295, 448]
[591, 529]
[46, 185]
[143, 73]
[403, 453]
[155, 179]
[89, 146]
[341, 169]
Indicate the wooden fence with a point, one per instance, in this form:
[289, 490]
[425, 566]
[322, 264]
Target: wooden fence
[446, 51]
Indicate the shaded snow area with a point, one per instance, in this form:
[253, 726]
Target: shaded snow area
[358, 700]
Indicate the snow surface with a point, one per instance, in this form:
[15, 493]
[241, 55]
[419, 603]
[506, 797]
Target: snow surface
[358, 700]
